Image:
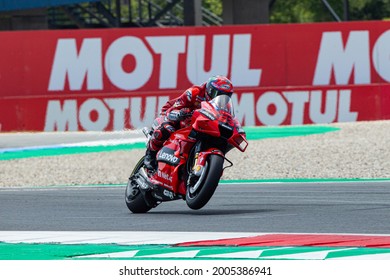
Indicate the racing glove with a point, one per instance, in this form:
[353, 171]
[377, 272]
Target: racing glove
[178, 115]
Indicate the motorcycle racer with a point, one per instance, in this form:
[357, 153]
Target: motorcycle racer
[174, 113]
[192, 160]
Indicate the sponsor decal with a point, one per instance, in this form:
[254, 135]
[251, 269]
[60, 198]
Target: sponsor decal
[164, 175]
[167, 155]
[189, 95]
[168, 194]
[207, 114]
[178, 103]
[226, 126]
[199, 99]
[226, 87]
[143, 185]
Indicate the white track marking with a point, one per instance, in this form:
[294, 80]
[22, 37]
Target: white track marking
[117, 237]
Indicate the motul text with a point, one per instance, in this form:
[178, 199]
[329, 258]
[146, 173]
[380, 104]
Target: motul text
[268, 108]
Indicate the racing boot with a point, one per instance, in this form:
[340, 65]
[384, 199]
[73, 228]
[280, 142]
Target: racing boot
[150, 160]
[156, 141]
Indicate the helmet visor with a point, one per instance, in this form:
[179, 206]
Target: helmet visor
[213, 92]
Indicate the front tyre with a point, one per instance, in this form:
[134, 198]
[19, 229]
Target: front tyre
[133, 197]
[198, 195]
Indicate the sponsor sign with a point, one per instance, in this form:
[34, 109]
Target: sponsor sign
[268, 106]
[111, 79]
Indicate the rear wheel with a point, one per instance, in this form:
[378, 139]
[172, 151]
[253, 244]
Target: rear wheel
[200, 192]
[134, 199]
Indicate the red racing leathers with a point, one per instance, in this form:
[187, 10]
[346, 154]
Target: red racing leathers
[173, 115]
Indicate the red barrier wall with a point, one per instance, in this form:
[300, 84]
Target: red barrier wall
[109, 79]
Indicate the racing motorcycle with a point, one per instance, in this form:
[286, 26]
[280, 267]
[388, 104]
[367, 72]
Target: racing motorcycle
[191, 162]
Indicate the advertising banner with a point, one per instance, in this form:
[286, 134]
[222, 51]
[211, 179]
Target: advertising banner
[254, 107]
[309, 73]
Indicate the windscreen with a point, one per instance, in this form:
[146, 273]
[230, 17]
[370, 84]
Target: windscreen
[223, 103]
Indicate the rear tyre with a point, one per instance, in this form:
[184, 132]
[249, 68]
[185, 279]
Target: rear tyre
[198, 196]
[134, 199]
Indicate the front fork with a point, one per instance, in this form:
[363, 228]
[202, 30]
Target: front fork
[200, 160]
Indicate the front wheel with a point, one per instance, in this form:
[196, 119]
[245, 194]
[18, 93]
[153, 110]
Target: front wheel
[134, 199]
[198, 195]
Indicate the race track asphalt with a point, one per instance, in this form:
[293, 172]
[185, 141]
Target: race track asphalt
[308, 207]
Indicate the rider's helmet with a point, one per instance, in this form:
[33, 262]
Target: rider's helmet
[218, 85]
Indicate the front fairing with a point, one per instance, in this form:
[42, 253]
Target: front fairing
[217, 118]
